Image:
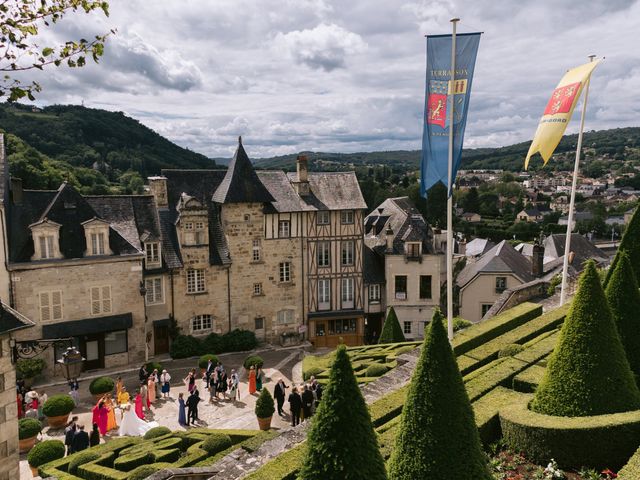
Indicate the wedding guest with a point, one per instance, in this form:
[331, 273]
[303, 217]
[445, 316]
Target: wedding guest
[94, 438]
[182, 420]
[165, 380]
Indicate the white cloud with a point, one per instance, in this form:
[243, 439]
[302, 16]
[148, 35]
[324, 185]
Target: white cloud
[323, 47]
[324, 75]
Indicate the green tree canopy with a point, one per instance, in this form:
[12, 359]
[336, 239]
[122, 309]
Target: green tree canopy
[630, 243]
[438, 437]
[624, 300]
[20, 24]
[588, 372]
[391, 330]
[342, 444]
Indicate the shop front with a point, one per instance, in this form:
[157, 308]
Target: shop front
[328, 329]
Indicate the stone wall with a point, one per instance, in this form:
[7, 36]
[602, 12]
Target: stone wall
[9, 466]
[75, 280]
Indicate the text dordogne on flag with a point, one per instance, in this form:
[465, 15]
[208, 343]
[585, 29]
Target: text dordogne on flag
[440, 96]
[557, 113]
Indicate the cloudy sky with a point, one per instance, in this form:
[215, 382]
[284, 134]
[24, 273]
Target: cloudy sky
[343, 76]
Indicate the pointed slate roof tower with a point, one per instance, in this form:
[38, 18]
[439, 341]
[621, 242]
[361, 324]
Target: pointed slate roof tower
[241, 184]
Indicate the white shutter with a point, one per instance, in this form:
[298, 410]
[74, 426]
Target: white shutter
[95, 300]
[56, 305]
[106, 299]
[45, 310]
[43, 247]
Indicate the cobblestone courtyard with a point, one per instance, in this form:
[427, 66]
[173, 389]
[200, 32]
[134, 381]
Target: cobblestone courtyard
[223, 414]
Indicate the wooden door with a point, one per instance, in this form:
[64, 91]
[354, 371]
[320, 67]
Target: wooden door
[92, 349]
[160, 339]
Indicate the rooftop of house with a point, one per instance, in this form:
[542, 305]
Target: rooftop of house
[502, 258]
[406, 222]
[478, 247]
[12, 320]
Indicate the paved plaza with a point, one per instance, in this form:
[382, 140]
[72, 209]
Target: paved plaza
[223, 414]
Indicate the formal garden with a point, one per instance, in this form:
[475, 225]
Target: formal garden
[524, 395]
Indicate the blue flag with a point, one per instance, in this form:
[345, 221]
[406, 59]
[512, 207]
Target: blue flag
[439, 97]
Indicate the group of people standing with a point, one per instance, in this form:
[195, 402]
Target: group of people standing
[29, 402]
[76, 439]
[303, 400]
[256, 377]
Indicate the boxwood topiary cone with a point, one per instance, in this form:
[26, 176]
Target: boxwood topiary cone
[391, 331]
[630, 243]
[438, 437]
[623, 298]
[341, 444]
[588, 372]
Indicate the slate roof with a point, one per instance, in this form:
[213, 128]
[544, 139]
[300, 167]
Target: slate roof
[373, 267]
[502, 258]
[478, 246]
[66, 207]
[201, 185]
[11, 320]
[240, 183]
[327, 191]
[583, 249]
[407, 223]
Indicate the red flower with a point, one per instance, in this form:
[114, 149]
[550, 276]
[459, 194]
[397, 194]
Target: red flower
[609, 473]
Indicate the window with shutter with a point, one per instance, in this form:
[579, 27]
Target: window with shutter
[100, 300]
[45, 310]
[56, 305]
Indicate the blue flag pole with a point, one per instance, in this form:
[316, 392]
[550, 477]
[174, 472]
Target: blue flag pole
[454, 22]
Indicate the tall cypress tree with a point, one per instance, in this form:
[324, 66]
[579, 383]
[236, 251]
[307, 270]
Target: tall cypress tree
[630, 244]
[588, 372]
[342, 444]
[391, 330]
[438, 437]
[624, 300]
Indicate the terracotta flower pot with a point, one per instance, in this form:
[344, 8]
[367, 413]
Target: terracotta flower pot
[34, 471]
[59, 421]
[27, 444]
[264, 423]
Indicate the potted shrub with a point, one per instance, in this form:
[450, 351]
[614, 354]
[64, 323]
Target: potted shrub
[29, 368]
[57, 409]
[264, 409]
[204, 360]
[151, 366]
[253, 360]
[28, 430]
[44, 452]
[101, 385]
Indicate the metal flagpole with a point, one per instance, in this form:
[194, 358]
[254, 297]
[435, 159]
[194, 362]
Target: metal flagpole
[567, 242]
[454, 21]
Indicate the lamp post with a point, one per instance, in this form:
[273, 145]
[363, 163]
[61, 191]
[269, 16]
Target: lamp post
[143, 293]
[71, 363]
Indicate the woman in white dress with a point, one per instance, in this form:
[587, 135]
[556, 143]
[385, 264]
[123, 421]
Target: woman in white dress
[133, 426]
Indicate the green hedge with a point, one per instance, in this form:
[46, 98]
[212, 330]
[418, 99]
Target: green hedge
[28, 427]
[528, 380]
[81, 458]
[144, 471]
[501, 374]
[486, 411]
[253, 360]
[376, 370]
[284, 467]
[216, 443]
[203, 361]
[481, 333]
[45, 452]
[631, 470]
[101, 385]
[602, 441]
[58, 405]
[156, 432]
[255, 442]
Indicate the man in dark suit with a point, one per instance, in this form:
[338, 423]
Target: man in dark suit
[192, 406]
[69, 433]
[279, 392]
[307, 402]
[80, 440]
[143, 374]
[295, 404]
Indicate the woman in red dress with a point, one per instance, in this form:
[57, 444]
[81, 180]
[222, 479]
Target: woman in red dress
[139, 411]
[252, 380]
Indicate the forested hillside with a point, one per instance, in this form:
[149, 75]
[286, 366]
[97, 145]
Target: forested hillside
[96, 150]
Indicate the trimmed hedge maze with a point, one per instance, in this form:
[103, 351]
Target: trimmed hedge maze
[369, 361]
[499, 383]
[130, 458]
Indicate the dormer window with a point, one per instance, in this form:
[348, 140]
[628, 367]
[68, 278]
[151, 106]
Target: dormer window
[152, 253]
[96, 232]
[45, 240]
[413, 250]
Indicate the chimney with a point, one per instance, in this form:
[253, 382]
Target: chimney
[158, 188]
[16, 190]
[389, 239]
[302, 183]
[462, 246]
[537, 260]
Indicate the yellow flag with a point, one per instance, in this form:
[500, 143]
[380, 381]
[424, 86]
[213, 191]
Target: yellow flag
[558, 112]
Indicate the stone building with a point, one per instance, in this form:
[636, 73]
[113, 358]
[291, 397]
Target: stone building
[405, 266]
[11, 322]
[208, 251]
